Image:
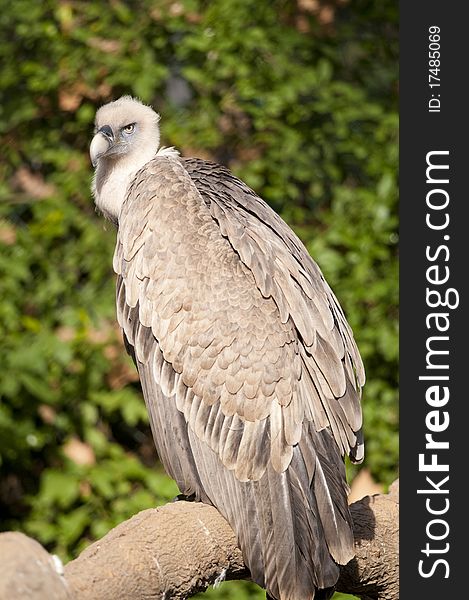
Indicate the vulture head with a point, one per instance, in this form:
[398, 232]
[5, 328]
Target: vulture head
[125, 129]
[126, 137]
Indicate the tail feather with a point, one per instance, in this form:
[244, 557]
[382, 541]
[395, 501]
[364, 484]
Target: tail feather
[330, 490]
[292, 549]
[293, 527]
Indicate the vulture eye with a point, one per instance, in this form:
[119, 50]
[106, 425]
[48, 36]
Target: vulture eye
[129, 128]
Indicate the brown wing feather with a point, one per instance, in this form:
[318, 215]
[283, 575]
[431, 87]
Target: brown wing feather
[212, 323]
[284, 271]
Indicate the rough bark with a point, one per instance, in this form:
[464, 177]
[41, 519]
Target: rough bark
[374, 572]
[179, 549]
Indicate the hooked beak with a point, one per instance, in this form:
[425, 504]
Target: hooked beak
[102, 142]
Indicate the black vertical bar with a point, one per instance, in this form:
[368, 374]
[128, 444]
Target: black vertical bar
[434, 324]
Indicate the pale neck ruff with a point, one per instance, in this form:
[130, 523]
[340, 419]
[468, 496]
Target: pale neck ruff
[111, 183]
[113, 178]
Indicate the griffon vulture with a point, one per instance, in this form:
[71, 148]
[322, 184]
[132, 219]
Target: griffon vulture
[249, 369]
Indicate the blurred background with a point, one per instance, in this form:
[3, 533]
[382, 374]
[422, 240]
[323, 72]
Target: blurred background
[299, 99]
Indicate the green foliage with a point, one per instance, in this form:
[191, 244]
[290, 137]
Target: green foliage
[298, 98]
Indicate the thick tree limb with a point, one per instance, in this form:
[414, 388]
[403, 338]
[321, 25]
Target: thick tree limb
[179, 549]
[28, 571]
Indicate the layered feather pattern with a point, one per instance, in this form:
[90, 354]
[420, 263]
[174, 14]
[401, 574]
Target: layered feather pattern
[249, 369]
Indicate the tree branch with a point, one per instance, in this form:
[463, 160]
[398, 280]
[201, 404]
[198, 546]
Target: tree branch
[179, 549]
